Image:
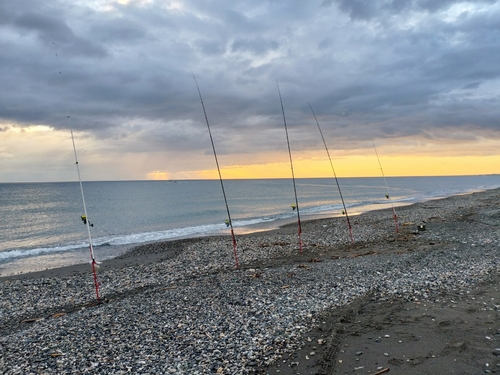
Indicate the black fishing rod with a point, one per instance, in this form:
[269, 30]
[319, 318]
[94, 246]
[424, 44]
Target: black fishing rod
[388, 196]
[85, 218]
[229, 221]
[333, 170]
[293, 175]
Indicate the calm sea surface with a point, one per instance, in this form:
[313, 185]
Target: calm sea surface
[40, 224]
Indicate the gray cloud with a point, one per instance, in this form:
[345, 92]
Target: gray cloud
[257, 46]
[373, 9]
[379, 68]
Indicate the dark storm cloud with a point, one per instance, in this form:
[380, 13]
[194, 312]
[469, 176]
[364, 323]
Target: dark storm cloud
[393, 68]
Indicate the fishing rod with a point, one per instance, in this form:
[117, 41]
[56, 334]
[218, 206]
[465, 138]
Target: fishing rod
[333, 170]
[388, 196]
[293, 175]
[85, 218]
[229, 221]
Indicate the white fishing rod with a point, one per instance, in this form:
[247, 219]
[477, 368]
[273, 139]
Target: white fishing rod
[229, 221]
[293, 175]
[86, 217]
[334, 174]
[388, 195]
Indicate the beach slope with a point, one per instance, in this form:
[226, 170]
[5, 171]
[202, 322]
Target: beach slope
[413, 302]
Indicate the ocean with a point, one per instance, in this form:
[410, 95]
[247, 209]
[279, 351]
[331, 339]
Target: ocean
[41, 226]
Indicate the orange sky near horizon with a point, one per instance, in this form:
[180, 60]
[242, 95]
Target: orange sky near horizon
[362, 166]
[21, 151]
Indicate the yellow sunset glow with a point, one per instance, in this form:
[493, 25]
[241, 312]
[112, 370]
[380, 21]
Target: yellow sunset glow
[21, 149]
[158, 175]
[407, 157]
[365, 166]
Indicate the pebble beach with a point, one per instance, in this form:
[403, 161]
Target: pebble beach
[182, 307]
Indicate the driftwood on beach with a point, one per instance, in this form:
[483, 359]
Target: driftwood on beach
[390, 301]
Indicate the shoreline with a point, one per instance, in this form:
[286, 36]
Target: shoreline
[267, 316]
[124, 259]
[48, 262]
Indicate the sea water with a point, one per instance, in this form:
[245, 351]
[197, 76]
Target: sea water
[41, 226]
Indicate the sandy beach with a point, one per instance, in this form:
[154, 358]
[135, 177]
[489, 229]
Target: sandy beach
[412, 302]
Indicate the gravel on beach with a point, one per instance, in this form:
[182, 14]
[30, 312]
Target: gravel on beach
[181, 307]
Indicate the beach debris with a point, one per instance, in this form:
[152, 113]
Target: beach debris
[32, 320]
[371, 253]
[58, 315]
[383, 371]
[281, 243]
[303, 266]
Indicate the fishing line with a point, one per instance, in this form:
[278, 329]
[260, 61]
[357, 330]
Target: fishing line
[86, 220]
[388, 195]
[293, 175]
[333, 170]
[220, 175]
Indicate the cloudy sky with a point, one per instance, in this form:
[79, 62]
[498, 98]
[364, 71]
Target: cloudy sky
[419, 78]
